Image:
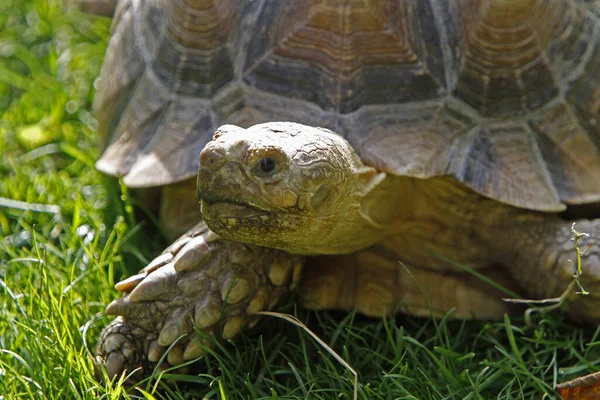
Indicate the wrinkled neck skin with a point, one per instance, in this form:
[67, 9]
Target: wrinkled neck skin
[356, 225]
[379, 206]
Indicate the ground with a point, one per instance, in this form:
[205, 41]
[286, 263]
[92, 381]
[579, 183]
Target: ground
[64, 241]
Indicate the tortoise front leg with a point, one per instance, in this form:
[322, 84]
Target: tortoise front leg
[542, 258]
[201, 282]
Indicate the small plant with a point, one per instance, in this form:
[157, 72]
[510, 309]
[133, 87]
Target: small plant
[546, 305]
[576, 236]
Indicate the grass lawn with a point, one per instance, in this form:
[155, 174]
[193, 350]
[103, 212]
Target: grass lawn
[63, 245]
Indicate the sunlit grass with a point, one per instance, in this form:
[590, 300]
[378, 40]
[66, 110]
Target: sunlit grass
[60, 255]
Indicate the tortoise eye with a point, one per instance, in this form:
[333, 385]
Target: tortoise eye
[266, 166]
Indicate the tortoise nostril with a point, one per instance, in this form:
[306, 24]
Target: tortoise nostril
[212, 157]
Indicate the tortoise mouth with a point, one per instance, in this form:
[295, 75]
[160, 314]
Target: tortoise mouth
[231, 213]
[227, 209]
[212, 200]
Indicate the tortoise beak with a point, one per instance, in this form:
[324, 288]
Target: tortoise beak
[220, 172]
[212, 159]
[219, 179]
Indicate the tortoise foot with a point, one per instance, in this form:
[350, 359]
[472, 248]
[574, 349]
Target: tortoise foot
[120, 349]
[200, 286]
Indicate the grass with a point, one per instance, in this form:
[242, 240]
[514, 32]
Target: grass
[60, 254]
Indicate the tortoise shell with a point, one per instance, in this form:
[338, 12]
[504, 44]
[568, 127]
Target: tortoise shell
[503, 95]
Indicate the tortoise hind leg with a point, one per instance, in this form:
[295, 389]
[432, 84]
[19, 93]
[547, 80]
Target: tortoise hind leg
[376, 284]
[541, 257]
[200, 283]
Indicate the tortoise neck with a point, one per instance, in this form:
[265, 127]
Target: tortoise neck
[430, 221]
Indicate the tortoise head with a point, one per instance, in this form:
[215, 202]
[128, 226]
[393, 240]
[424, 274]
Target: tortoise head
[285, 185]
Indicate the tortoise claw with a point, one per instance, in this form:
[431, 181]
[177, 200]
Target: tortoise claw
[158, 284]
[192, 254]
[178, 324]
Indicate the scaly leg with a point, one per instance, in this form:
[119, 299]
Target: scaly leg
[543, 261]
[200, 282]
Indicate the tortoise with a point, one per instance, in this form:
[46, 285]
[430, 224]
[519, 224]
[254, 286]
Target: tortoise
[362, 151]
